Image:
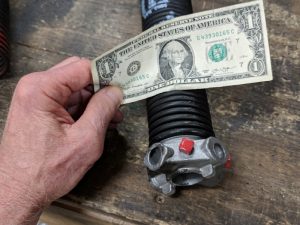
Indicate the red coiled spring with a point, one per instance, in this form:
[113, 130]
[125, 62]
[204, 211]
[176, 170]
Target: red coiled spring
[4, 44]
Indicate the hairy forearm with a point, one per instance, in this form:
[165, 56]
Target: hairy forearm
[17, 205]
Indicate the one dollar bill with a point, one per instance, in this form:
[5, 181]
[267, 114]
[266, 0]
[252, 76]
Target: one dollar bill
[221, 47]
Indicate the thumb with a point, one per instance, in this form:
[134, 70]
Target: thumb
[100, 111]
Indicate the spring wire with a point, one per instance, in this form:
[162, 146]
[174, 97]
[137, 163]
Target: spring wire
[4, 46]
[174, 113]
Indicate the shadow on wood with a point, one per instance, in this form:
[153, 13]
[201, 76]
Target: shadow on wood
[106, 167]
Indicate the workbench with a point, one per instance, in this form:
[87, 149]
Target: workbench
[259, 123]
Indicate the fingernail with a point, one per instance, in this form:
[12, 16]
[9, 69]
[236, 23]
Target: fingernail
[115, 93]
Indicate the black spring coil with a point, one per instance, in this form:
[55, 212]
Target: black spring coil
[4, 46]
[174, 113]
[156, 11]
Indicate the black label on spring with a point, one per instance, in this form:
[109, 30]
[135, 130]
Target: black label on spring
[156, 11]
[151, 6]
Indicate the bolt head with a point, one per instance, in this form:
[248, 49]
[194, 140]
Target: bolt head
[186, 146]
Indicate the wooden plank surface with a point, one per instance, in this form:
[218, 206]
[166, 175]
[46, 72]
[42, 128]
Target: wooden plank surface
[55, 215]
[259, 123]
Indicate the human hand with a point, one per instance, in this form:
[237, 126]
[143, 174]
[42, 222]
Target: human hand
[44, 152]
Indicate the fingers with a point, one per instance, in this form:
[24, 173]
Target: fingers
[66, 62]
[77, 103]
[118, 117]
[75, 75]
[60, 82]
[101, 109]
[78, 98]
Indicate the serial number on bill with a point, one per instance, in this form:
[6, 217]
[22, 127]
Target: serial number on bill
[216, 34]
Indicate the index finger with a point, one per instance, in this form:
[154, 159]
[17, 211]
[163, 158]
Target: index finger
[75, 76]
[61, 82]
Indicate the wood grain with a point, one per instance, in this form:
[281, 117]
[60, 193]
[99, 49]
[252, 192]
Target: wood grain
[60, 216]
[259, 123]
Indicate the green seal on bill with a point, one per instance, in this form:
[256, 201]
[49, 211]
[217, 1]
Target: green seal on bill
[217, 52]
